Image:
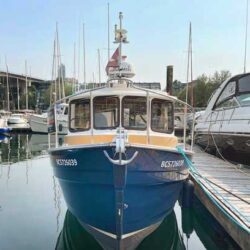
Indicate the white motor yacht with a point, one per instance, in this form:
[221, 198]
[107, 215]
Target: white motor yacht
[38, 123]
[225, 124]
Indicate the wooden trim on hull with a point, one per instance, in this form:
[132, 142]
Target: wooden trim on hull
[133, 139]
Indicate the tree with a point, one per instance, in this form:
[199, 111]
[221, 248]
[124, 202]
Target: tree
[203, 87]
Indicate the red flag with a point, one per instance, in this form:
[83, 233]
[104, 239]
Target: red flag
[113, 61]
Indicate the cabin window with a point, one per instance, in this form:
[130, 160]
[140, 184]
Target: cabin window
[134, 112]
[243, 95]
[79, 119]
[106, 112]
[162, 116]
[227, 93]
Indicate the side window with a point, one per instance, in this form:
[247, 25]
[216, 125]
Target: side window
[134, 112]
[229, 103]
[106, 112]
[227, 93]
[162, 116]
[79, 119]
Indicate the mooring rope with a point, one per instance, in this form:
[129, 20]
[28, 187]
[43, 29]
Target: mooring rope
[230, 206]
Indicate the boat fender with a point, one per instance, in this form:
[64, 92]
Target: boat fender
[187, 193]
[60, 127]
[187, 223]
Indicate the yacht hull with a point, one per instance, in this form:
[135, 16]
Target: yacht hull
[235, 146]
[38, 124]
[116, 200]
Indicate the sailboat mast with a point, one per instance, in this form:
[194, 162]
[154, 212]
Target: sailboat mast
[99, 67]
[18, 95]
[185, 108]
[245, 55]
[52, 73]
[7, 82]
[191, 67]
[84, 55]
[26, 85]
[74, 70]
[58, 64]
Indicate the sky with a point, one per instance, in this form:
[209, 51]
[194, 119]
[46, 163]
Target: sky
[157, 31]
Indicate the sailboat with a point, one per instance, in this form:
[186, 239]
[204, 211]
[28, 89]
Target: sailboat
[38, 122]
[120, 170]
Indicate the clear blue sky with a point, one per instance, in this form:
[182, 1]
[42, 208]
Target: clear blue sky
[157, 31]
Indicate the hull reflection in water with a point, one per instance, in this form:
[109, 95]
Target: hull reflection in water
[73, 236]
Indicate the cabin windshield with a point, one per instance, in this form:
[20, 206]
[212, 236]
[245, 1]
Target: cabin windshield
[162, 116]
[243, 95]
[79, 115]
[134, 112]
[106, 112]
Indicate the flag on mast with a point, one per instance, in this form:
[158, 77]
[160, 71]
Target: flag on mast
[113, 61]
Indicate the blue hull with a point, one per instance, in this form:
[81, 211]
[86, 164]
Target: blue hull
[5, 130]
[146, 189]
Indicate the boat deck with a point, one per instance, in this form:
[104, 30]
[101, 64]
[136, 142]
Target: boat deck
[224, 188]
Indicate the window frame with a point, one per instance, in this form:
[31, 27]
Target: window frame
[70, 112]
[151, 115]
[93, 113]
[122, 118]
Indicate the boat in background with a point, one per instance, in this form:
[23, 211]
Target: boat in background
[38, 123]
[17, 118]
[120, 169]
[224, 125]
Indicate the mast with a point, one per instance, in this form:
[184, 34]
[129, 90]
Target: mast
[245, 54]
[26, 85]
[108, 36]
[18, 96]
[74, 68]
[185, 109]
[7, 81]
[120, 42]
[52, 73]
[99, 67]
[84, 55]
[79, 52]
[58, 64]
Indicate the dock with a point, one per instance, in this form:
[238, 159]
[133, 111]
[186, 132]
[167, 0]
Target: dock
[224, 189]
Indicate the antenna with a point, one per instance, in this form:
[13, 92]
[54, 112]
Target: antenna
[99, 67]
[108, 36]
[245, 56]
[26, 85]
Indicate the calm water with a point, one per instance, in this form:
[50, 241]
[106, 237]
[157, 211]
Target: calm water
[33, 214]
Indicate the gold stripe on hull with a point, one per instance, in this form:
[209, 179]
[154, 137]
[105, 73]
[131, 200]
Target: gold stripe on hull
[133, 139]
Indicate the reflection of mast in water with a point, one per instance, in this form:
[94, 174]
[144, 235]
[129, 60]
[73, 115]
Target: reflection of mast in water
[57, 201]
[18, 147]
[27, 157]
[1, 173]
[8, 162]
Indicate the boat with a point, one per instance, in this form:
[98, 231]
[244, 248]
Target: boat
[17, 118]
[224, 125]
[38, 123]
[120, 169]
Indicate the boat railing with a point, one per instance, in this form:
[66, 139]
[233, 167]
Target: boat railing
[186, 107]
